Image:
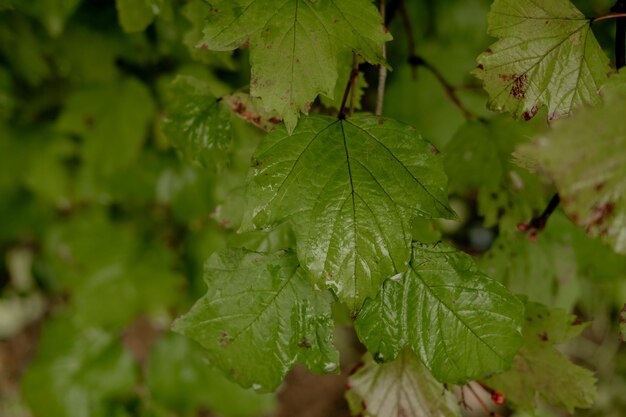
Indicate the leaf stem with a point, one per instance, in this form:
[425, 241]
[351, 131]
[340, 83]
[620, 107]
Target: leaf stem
[450, 90]
[382, 72]
[620, 33]
[607, 16]
[539, 223]
[349, 86]
[416, 61]
[355, 68]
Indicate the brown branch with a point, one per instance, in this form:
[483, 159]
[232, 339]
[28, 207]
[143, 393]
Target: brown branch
[355, 69]
[537, 224]
[382, 72]
[408, 29]
[349, 86]
[607, 16]
[449, 89]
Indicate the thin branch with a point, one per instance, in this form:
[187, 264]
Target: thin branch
[408, 28]
[382, 72]
[537, 224]
[450, 90]
[355, 69]
[607, 16]
[342, 108]
[620, 34]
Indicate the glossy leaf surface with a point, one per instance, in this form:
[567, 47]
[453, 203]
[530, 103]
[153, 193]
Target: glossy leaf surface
[350, 188]
[461, 324]
[196, 122]
[259, 317]
[546, 55]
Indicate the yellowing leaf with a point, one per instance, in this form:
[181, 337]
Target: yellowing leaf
[546, 55]
[400, 388]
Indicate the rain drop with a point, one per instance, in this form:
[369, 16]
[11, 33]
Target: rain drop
[379, 357]
[256, 387]
[396, 277]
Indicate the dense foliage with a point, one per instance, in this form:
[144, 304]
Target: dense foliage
[376, 190]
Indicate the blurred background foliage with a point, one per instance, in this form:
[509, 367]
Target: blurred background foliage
[107, 214]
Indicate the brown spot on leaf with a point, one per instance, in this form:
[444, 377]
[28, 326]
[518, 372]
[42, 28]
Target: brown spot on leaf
[518, 90]
[598, 186]
[489, 50]
[543, 336]
[274, 120]
[381, 121]
[433, 149]
[481, 66]
[225, 339]
[599, 214]
[304, 343]
[530, 113]
[203, 46]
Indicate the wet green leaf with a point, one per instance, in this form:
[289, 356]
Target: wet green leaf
[196, 123]
[294, 45]
[259, 317]
[546, 55]
[350, 188]
[461, 324]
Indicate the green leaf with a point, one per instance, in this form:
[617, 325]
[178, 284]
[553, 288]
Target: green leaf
[586, 157]
[400, 388]
[179, 378]
[196, 122]
[53, 14]
[135, 15]
[294, 45]
[546, 55]
[350, 189]
[76, 374]
[479, 158]
[462, 324]
[259, 317]
[113, 119]
[102, 263]
[541, 371]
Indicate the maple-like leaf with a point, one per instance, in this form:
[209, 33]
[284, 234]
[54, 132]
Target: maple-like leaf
[462, 324]
[586, 157]
[546, 55]
[294, 45]
[350, 188]
[541, 371]
[196, 122]
[259, 317]
[400, 388]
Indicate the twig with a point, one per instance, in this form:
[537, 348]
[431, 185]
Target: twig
[620, 33]
[450, 90]
[537, 224]
[355, 68]
[417, 61]
[408, 28]
[342, 108]
[485, 407]
[382, 72]
[607, 16]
